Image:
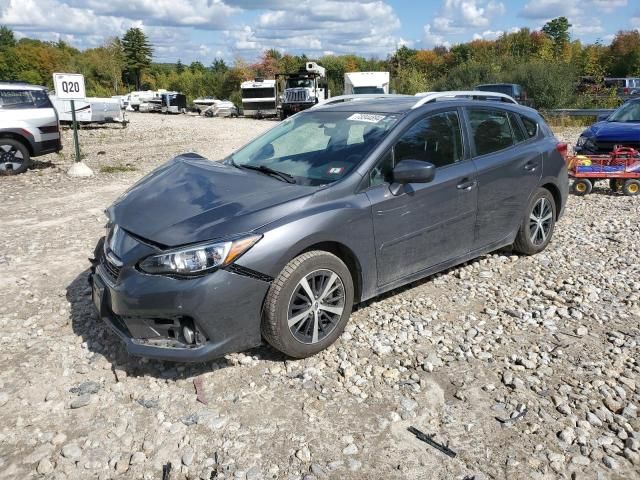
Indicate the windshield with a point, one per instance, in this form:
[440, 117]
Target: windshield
[299, 82]
[362, 90]
[316, 147]
[629, 112]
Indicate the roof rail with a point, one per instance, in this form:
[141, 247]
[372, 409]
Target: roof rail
[358, 96]
[428, 97]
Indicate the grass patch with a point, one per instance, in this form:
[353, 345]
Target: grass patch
[117, 168]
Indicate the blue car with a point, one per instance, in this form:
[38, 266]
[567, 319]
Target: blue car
[621, 128]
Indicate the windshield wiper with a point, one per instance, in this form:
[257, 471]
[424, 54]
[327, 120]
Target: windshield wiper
[285, 177]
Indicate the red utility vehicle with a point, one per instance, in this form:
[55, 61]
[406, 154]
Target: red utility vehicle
[621, 167]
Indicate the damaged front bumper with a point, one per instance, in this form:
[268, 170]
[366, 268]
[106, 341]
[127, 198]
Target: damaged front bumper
[187, 320]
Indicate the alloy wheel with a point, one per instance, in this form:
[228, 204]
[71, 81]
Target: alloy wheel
[540, 221]
[316, 306]
[10, 157]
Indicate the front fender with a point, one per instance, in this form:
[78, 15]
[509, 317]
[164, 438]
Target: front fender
[347, 223]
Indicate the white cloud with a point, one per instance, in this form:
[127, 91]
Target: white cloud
[488, 35]
[312, 27]
[548, 9]
[431, 39]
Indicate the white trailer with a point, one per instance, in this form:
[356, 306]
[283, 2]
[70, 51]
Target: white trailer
[259, 98]
[90, 110]
[366, 82]
[135, 99]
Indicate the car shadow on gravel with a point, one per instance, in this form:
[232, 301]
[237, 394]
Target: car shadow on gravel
[101, 341]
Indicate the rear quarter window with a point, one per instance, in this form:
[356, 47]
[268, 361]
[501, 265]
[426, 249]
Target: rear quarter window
[22, 99]
[530, 126]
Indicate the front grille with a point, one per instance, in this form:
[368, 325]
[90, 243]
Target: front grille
[607, 147]
[293, 96]
[110, 269]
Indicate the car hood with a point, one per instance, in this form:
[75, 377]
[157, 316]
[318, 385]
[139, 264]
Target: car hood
[191, 199]
[613, 131]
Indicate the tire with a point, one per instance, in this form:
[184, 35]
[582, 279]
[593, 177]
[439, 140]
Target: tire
[287, 300]
[631, 187]
[534, 236]
[14, 157]
[582, 187]
[282, 115]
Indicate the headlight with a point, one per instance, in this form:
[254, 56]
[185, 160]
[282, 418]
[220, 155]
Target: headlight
[198, 259]
[581, 140]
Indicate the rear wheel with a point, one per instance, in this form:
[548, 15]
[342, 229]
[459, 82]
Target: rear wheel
[14, 157]
[582, 186]
[538, 224]
[308, 305]
[631, 187]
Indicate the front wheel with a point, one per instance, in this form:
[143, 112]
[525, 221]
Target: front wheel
[308, 305]
[14, 157]
[538, 224]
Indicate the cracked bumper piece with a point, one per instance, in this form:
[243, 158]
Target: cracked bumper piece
[149, 313]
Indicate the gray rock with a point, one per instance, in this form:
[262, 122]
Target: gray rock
[137, 458]
[85, 388]
[350, 449]
[610, 462]
[81, 401]
[45, 467]
[304, 454]
[71, 451]
[188, 454]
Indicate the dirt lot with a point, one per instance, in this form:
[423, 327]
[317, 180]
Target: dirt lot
[528, 367]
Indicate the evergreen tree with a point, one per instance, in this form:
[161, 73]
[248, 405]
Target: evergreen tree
[137, 54]
[179, 66]
[7, 40]
[558, 30]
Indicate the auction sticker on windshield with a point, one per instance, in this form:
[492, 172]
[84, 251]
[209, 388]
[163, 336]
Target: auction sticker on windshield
[366, 117]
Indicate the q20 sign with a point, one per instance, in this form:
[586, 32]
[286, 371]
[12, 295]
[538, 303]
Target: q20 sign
[69, 86]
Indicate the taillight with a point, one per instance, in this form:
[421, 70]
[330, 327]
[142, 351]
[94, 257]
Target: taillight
[626, 91]
[563, 149]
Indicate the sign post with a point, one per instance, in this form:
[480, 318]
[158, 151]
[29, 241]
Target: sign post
[70, 86]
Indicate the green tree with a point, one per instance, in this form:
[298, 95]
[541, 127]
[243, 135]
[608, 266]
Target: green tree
[558, 30]
[197, 67]
[7, 40]
[179, 67]
[137, 54]
[218, 66]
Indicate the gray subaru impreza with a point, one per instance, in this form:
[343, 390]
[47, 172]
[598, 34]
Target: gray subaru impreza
[329, 208]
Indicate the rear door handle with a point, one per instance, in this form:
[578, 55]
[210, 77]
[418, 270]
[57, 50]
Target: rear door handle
[466, 185]
[531, 166]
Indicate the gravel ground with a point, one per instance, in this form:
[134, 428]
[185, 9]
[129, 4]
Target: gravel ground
[527, 367]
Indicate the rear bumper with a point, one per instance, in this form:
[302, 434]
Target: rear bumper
[146, 312]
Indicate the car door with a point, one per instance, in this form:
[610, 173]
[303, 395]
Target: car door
[424, 224]
[508, 161]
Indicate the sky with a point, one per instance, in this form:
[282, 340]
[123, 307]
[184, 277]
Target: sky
[202, 30]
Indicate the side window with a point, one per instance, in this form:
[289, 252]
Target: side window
[518, 134]
[491, 130]
[436, 139]
[18, 99]
[530, 126]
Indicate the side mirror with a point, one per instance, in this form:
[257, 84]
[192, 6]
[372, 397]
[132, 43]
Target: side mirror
[411, 171]
[603, 117]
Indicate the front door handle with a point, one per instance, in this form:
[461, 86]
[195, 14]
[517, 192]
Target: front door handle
[466, 185]
[531, 166]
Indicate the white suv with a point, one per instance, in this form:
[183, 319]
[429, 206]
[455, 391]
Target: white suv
[28, 126]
